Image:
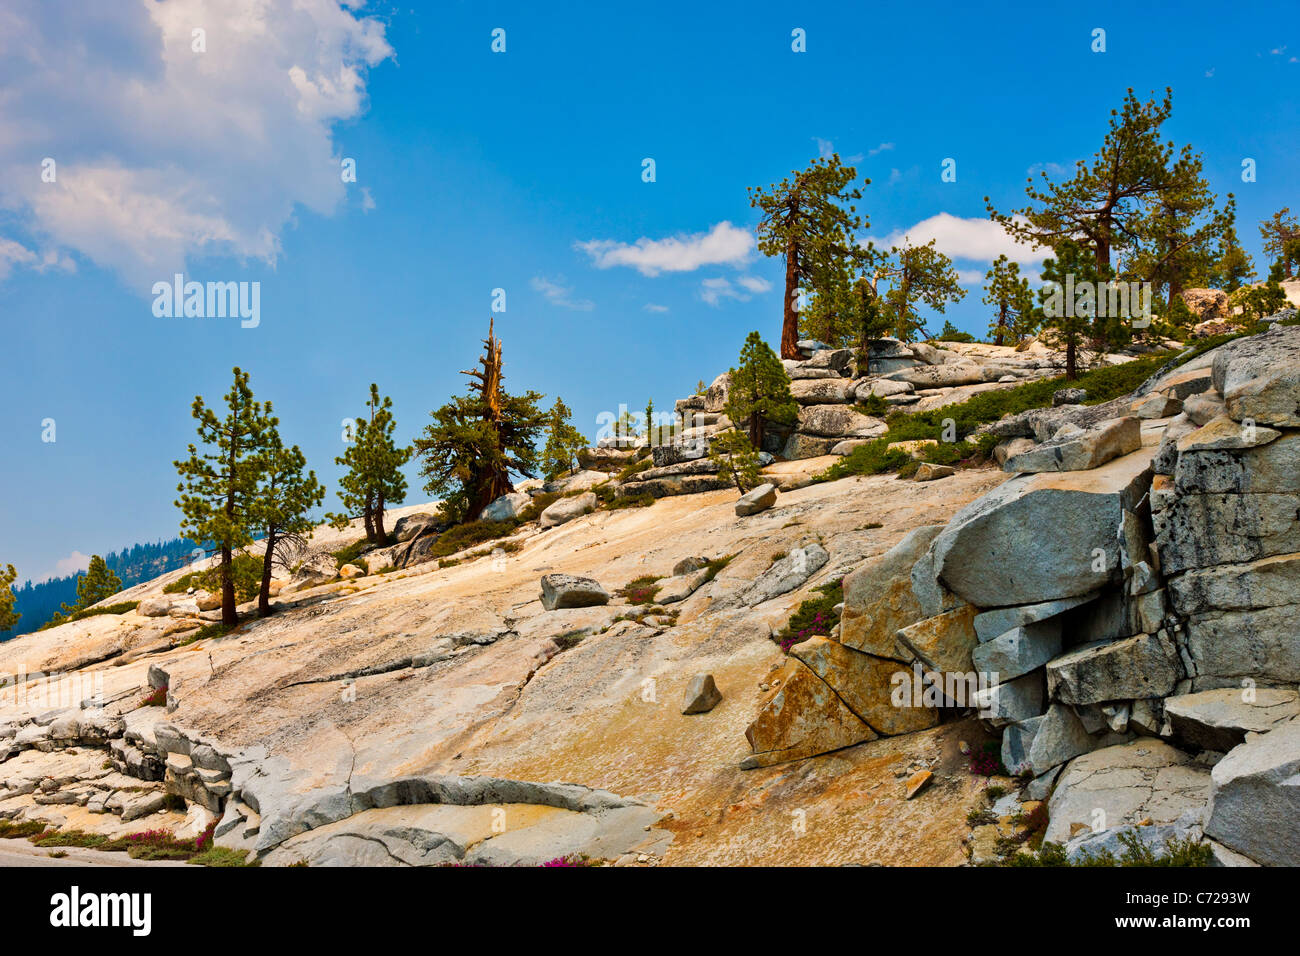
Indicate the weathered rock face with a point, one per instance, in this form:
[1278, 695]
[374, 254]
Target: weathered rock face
[1135, 667]
[408, 526]
[1220, 719]
[504, 508]
[1058, 737]
[1124, 784]
[756, 500]
[680, 451]
[878, 597]
[1019, 650]
[803, 717]
[786, 574]
[1081, 452]
[1206, 304]
[937, 376]
[569, 590]
[799, 445]
[606, 459]
[822, 391]
[1259, 377]
[839, 421]
[702, 695]
[991, 624]
[316, 569]
[866, 685]
[681, 586]
[582, 480]
[566, 509]
[1040, 538]
[1254, 805]
[942, 643]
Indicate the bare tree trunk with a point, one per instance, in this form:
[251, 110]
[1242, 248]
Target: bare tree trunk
[229, 616]
[381, 538]
[790, 318]
[1071, 350]
[264, 592]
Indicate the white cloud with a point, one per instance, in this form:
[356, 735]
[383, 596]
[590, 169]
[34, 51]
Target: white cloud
[970, 276]
[882, 148]
[559, 294]
[714, 291]
[980, 239]
[724, 244]
[74, 563]
[164, 153]
[654, 307]
[824, 147]
[16, 254]
[1052, 169]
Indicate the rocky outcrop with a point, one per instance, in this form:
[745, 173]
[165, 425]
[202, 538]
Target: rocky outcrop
[566, 509]
[569, 590]
[505, 508]
[1074, 449]
[1040, 538]
[1254, 805]
[756, 500]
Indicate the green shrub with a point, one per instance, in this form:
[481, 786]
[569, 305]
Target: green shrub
[246, 570]
[540, 503]
[1178, 853]
[350, 553]
[642, 590]
[1102, 385]
[634, 501]
[815, 616]
[873, 405]
[467, 535]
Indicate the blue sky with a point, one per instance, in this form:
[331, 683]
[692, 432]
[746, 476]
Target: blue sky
[519, 171]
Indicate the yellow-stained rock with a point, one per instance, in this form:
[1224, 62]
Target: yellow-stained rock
[878, 597]
[865, 683]
[943, 642]
[802, 718]
[918, 782]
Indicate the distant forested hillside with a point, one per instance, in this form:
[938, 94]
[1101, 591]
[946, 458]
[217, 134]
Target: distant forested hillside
[38, 602]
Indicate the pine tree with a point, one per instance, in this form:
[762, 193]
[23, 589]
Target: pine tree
[760, 391]
[1008, 292]
[809, 219]
[1232, 266]
[1106, 201]
[477, 440]
[1176, 245]
[847, 313]
[8, 618]
[563, 442]
[1073, 320]
[917, 274]
[219, 486]
[1281, 235]
[284, 499]
[736, 459]
[1262, 301]
[94, 586]
[374, 479]
[650, 422]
